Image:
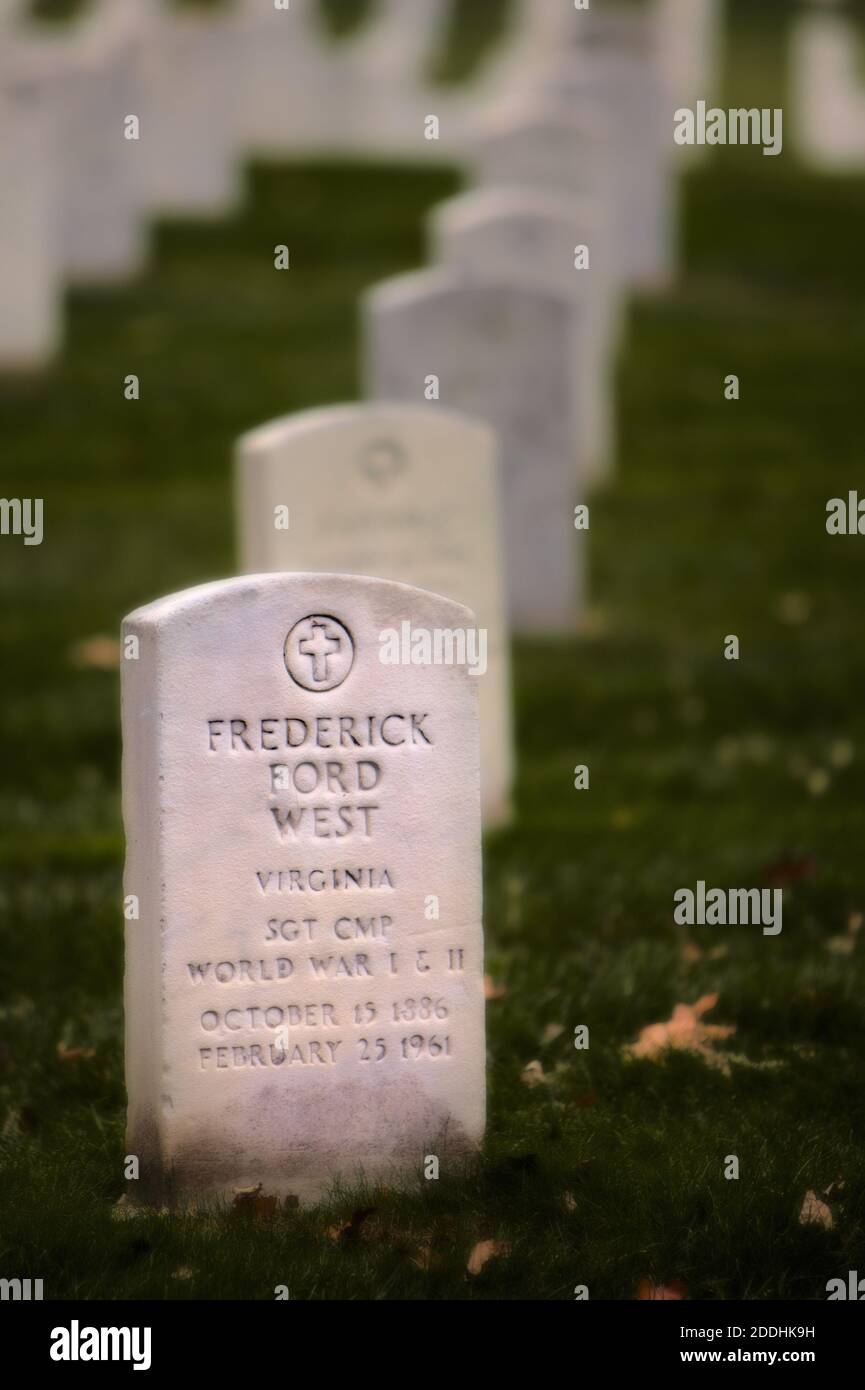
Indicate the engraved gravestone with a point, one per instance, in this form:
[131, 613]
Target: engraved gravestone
[502, 352]
[403, 492]
[544, 238]
[303, 988]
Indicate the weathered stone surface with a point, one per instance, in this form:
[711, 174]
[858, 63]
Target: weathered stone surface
[502, 352]
[539, 237]
[304, 975]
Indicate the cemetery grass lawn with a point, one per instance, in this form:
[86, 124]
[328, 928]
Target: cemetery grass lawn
[739, 773]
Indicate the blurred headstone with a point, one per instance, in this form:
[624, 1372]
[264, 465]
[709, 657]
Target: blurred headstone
[30, 288]
[539, 237]
[304, 976]
[89, 77]
[690, 45]
[391, 96]
[188, 70]
[290, 98]
[617, 67]
[828, 82]
[502, 352]
[403, 492]
[540, 144]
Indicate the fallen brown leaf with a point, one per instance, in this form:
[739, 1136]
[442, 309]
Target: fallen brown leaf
[484, 1251]
[814, 1212]
[74, 1054]
[676, 1289]
[98, 653]
[684, 1031]
[551, 1032]
[492, 990]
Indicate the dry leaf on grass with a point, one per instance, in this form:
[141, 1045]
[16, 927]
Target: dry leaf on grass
[348, 1231]
[551, 1032]
[676, 1289]
[845, 944]
[492, 990]
[74, 1054]
[685, 1032]
[98, 653]
[484, 1251]
[814, 1212]
[532, 1075]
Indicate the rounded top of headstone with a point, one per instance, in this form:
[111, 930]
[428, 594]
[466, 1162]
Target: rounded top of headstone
[456, 283]
[317, 594]
[384, 417]
[570, 108]
[492, 202]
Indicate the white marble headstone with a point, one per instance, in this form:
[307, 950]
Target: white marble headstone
[387, 71]
[617, 66]
[502, 352]
[827, 66]
[30, 289]
[89, 76]
[690, 40]
[403, 492]
[189, 65]
[538, 143]
[290, 96]
[304, 996]
[538, 237]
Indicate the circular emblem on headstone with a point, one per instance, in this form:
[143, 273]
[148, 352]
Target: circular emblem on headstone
[319, 652]
[383, 461]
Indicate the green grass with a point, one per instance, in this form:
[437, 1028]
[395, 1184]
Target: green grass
[700, 768]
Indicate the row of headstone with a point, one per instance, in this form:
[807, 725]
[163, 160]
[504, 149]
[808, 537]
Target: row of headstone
[147, 109]
[309, 750]
[516, 325]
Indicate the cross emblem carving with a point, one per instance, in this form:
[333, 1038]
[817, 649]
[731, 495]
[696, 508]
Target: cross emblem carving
[319, 647]
[319, 652]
